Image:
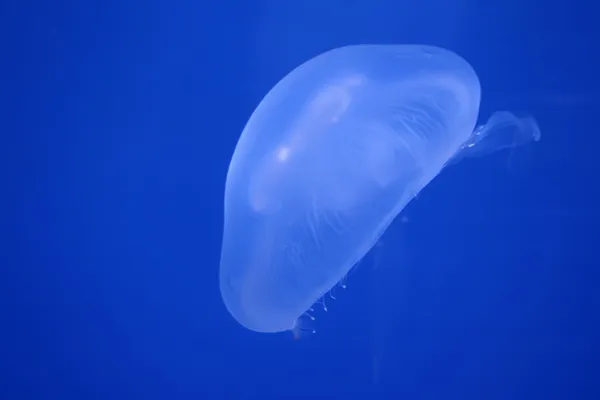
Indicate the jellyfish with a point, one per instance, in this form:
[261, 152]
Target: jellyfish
[330, 157]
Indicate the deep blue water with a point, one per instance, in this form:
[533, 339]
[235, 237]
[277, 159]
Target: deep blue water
[120, 118]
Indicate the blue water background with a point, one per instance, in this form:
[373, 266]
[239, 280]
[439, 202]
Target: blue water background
[120, 118]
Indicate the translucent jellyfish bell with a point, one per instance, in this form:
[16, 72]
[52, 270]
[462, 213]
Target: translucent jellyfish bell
[330, 157]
